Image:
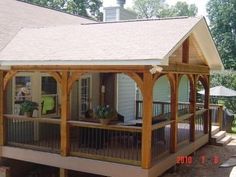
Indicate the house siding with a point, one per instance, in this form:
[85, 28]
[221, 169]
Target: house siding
[161, 90]
[184, 89]
[125, 96]
[110, 14]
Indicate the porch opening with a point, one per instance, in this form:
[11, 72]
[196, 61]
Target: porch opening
[38, 93]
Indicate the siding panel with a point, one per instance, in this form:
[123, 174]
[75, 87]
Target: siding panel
[125, 96]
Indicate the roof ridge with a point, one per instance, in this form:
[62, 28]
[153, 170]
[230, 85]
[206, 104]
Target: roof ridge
[57, 10]
[139, 20]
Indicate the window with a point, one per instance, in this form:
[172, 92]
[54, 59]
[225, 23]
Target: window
[49, 96]
[37, 87]
[22, 91]
[85, 95]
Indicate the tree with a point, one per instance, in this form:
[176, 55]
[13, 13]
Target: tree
[183, 9]
[158, 8]
[227, 79]
[222, 19]
[149, 8]
[86, 8]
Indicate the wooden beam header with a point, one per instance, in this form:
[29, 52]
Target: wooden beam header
[173, 67]
[186, 69]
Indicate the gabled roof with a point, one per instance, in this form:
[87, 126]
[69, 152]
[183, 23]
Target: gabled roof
[145, 42]
[15, 15]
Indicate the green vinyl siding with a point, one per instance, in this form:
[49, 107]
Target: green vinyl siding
[161, 90]
[184, 89]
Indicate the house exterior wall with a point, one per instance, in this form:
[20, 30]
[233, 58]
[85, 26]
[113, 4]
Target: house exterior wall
[74, 101]
[95, 90]
[184, 89]
[117, 13]
[161, 90]
[126, 96]
[9, 98]
[94, 95]
[111, 14]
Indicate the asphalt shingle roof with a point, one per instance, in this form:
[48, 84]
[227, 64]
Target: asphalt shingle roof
[15, 15]
[135, 40]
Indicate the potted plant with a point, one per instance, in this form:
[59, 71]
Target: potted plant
[27, 108]
[105, 114]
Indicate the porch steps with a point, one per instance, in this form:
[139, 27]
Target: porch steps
[219, 138]
[224, 141]
[214, 130]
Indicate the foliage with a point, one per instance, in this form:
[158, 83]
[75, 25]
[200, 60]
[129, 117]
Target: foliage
[221, 14]
[227, 79]
[28, 107]
[149, 8]
[158, 8]
[104, 112]
[183, 9]
[234, 125]
[86, 8]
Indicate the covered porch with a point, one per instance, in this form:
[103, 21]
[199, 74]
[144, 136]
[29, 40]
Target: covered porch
[159, 129]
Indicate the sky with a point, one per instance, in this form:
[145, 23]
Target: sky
[201, 4]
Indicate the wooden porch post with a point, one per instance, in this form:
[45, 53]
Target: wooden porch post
[174, 112]
[63, 172]
[185, 51]
[64, 114]
[147, 121]
[207, 123]
[2, 122]
[193, 108]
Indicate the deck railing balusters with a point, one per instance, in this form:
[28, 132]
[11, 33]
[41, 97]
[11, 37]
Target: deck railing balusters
[160, 140]
[199, 124]
[27, 132]
[93, 140]
[113, 143]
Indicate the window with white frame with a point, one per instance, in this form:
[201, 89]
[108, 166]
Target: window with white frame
[85, 94]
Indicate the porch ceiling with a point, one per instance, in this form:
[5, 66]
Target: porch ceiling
[145, 42]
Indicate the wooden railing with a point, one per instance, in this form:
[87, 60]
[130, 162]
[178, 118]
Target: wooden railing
[34, 133]
[161, 109]
[183, 128]
[116, 143]
[112, 143]
[161, 140]
[199, 122]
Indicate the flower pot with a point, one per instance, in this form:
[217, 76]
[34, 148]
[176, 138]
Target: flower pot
[105, 121]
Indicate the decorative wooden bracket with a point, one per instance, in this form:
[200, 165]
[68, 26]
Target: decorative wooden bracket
[9, 75]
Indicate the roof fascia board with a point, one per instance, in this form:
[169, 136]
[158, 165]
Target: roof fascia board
[212, 46]
[81, 62]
